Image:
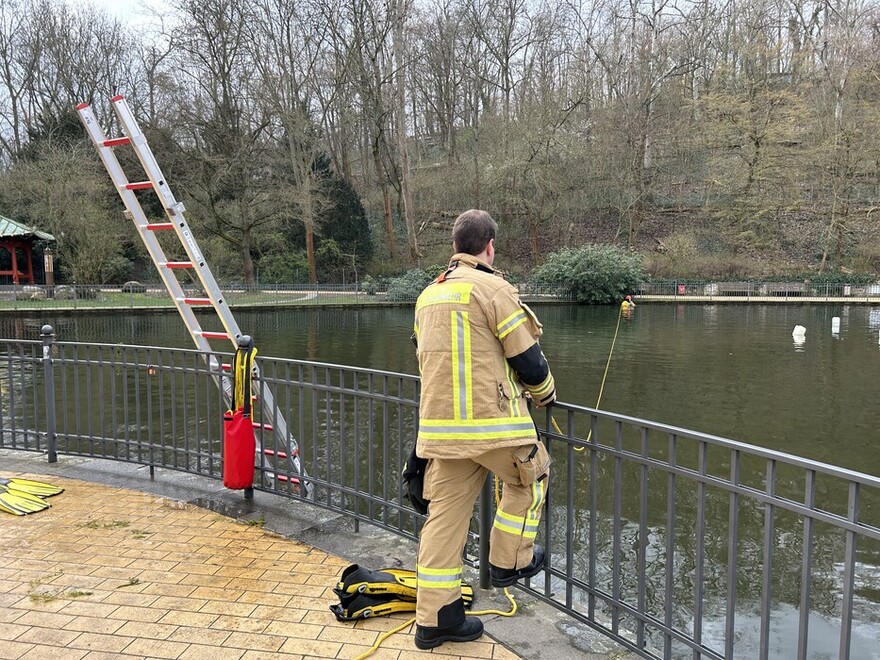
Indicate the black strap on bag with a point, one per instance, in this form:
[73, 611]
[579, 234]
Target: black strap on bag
[414, 482]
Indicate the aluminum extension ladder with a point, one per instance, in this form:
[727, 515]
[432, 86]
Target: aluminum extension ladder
[288, 449]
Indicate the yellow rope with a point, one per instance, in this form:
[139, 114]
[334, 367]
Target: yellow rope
[511, 612]
[383, 637]
[386, 635]
[604, 378]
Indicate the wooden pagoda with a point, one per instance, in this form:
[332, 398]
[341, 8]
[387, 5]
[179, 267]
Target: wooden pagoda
[16, 256]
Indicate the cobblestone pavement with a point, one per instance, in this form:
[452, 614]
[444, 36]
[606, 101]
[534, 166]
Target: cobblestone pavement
[109, 572]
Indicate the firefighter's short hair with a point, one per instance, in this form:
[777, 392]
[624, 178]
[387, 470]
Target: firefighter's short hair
[472, 231]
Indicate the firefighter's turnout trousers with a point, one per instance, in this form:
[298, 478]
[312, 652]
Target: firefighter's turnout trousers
[453, 485]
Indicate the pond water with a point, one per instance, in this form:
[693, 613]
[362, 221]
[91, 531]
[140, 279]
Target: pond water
[732, 370]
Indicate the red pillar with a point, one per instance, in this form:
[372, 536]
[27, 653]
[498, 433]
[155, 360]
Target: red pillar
[30, 263]
[14, 263]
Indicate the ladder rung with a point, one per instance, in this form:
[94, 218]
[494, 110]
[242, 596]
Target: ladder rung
[139, 185]
[177, 264]
[226, 366]
[214, 335]
[282, 477]
[155, 226]
[197, 301]
[116, 142]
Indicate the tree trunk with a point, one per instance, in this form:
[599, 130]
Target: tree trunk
[310, 254]
[389, 221]
[405, 192]
[386, 198]
[247, 260]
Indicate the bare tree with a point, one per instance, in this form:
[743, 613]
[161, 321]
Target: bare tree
[841, 48]
[18, 69]
[288, 43]
[405, 205]
[64, 191]
[231, 192]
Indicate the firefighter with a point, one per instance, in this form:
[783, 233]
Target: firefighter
[479, 360]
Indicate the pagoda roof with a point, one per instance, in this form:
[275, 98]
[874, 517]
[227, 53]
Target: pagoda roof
[11, 229]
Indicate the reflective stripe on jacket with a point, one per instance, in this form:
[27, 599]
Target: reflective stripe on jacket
[467, 324]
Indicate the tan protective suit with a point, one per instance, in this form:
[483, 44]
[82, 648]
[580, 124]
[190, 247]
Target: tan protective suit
[470, 328]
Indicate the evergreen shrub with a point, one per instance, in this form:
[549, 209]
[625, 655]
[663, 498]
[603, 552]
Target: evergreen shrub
[595, 274]
[369, 286]
[408, 286]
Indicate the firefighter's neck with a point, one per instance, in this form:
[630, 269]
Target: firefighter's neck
[487, 256]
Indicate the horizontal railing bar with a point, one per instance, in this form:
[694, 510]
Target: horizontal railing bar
[754, 494]
[726, 443]
[303, 363]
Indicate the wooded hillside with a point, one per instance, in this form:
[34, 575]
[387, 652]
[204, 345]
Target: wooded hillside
[314, 138]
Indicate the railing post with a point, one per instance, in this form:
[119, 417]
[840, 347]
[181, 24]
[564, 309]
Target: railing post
[48, 335]
[485, 527]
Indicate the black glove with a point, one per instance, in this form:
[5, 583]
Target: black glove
[414, 482]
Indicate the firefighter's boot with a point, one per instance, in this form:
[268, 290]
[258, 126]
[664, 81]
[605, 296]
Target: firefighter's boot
[504, 577]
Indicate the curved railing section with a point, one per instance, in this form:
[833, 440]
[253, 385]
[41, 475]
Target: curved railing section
[674, 543]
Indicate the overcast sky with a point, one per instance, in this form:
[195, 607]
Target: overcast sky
[129, 11]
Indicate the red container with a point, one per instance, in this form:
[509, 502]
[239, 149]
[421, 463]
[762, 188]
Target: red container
[239, 446]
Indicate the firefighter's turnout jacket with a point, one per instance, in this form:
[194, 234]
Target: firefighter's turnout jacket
[478, 355]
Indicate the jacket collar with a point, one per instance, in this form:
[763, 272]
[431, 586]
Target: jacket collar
[469, 260]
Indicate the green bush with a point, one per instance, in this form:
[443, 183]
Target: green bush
[596, 274]
[369, 286]
[408, 286]
[288, 267]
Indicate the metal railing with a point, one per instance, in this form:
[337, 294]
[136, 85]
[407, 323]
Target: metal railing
[674, 543]
[762, 291]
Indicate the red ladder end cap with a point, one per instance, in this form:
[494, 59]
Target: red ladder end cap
[82, 106]
[116, 98]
